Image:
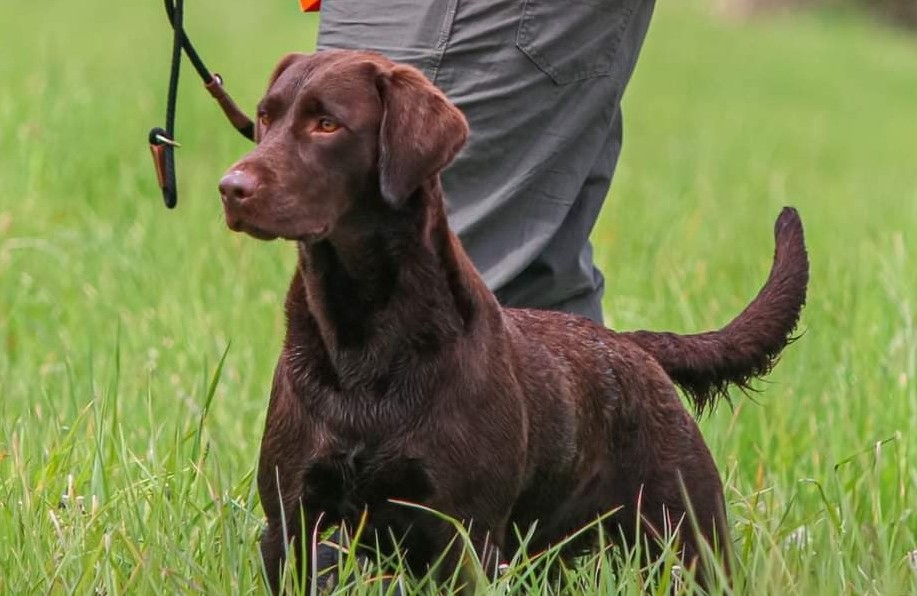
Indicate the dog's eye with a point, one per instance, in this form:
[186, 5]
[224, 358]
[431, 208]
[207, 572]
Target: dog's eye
[327, 125]
[264, 120]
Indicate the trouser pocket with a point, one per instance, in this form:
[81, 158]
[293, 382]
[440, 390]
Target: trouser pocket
[573, 40]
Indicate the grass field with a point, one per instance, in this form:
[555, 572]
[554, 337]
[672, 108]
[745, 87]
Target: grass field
[114, 313]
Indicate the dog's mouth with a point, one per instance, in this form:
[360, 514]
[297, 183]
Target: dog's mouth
[238, 225]
[259, 233]
[310, 236]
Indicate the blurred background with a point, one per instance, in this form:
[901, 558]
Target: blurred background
[901, 13]
[115, 312]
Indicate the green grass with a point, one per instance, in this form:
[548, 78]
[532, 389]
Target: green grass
[115, 314]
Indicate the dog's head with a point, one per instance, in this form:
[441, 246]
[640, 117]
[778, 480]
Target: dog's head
[336, 131]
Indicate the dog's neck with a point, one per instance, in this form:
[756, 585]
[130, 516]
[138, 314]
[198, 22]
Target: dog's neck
[386, 288]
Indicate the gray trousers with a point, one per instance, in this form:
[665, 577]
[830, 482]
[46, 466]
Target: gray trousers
[540, 82]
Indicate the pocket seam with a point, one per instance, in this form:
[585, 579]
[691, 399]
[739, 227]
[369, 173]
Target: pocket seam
[526, 43]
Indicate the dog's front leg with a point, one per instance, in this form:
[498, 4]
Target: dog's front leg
[285, 451]
[457, 564]
[299, 537]
[275, 542]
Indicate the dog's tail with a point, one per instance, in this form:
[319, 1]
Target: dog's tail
[705, 364]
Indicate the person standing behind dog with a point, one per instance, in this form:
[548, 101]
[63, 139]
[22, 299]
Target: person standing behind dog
[540, 82]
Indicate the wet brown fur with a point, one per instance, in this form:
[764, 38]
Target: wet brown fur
[401, 377]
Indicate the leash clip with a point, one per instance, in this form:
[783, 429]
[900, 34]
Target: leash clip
[162, 147]
[161, 139]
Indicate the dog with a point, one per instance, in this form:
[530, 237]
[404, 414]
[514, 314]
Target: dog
[401, 378]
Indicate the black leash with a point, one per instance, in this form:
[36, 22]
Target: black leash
[162, 141]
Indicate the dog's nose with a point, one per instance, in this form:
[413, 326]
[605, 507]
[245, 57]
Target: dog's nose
[236, 187]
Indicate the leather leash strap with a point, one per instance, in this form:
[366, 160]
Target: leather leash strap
[162, 141]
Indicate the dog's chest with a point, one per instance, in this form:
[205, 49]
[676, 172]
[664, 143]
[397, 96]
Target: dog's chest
[346, 481]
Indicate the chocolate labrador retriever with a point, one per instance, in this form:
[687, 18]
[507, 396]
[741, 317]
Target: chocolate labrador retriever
[402, 379]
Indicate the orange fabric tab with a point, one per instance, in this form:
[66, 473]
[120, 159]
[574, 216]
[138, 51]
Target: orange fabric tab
[310, 5]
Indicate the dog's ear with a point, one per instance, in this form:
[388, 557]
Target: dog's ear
[284, 64]
[420, 134]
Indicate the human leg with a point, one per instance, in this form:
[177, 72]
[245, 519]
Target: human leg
[540, 83]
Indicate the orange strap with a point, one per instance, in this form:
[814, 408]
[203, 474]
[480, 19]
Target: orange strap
[310, 5]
